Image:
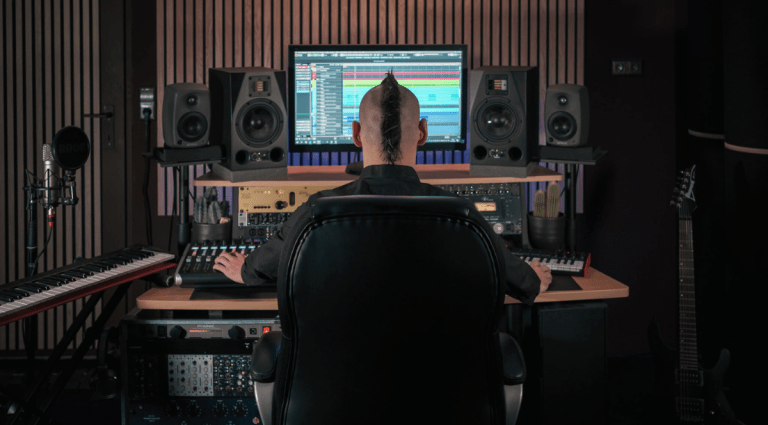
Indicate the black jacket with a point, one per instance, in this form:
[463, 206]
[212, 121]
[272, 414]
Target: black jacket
[394, 180]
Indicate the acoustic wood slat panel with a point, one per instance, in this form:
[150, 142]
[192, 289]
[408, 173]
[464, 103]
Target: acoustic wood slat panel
[544, 33]
[49, 79]
[3, 163]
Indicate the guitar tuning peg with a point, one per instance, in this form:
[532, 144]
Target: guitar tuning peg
[672, 202]
[676, 190]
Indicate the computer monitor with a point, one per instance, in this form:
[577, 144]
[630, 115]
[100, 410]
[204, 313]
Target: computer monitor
[326, 84]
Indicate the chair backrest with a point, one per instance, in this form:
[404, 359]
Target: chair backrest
[389, 309]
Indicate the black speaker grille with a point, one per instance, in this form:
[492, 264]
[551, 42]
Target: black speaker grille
[258, 122]
[562, 125]
[496, 121]
[192, 126]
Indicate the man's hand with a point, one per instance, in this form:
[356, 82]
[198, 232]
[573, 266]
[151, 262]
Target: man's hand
[230, 264]
[544, 273]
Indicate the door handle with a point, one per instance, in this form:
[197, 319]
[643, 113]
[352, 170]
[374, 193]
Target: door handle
[108, 128]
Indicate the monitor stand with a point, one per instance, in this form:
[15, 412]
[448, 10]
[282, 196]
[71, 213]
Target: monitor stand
[250, 175]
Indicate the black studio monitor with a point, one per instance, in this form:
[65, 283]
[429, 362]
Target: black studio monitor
[504, 117]
[186, 115]
[566, 111]
[249, 120]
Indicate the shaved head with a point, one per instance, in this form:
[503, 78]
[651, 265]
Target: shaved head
[390, 127]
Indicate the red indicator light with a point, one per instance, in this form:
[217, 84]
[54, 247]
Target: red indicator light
[266, 329]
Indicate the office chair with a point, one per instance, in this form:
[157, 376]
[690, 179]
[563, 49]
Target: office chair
[389, 310]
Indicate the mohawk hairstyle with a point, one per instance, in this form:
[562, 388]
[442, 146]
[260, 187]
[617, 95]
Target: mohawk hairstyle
[390, 122]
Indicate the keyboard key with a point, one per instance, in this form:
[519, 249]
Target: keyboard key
[10, 296]
[30, 288]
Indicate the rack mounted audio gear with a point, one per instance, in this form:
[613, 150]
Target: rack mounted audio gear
[192, 370]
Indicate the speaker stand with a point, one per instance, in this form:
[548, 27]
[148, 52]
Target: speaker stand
[180, 159]
[571, 157]
[188, 156]
[571, 171]
[184, 228]
[250, 175]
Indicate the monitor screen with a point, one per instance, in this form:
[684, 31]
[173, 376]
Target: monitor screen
[326, 84]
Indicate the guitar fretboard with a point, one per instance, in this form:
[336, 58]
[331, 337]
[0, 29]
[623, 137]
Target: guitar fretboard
[687, 299]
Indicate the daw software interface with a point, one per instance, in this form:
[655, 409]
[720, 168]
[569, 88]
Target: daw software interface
[327, 86]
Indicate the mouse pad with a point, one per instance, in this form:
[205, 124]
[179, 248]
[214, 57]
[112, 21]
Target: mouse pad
[234, 293]
[563, 283]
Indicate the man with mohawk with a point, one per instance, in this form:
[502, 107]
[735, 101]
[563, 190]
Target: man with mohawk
[389, 131]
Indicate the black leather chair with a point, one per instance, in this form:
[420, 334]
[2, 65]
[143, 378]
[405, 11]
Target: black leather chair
[389, 310]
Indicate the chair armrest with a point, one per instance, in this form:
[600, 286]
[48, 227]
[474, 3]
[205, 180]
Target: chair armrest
[512, 360]
[264, 357]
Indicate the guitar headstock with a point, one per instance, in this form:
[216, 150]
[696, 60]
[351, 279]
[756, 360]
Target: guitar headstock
[684, 199]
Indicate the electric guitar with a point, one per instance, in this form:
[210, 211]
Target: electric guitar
[698, 394]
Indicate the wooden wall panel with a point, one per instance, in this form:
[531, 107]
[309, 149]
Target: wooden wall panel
[544, 33]
[49, 79]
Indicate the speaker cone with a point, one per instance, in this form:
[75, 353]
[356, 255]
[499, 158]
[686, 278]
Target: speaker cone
[496, 121]
[258, 122]
[561, 125]
[192, 126]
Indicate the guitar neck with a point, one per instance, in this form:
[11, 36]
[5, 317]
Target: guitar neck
[687, 298]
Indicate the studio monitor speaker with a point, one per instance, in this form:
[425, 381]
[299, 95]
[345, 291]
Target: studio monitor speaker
[186, 115]
[566, 111]
[249, 120]
[504, 117]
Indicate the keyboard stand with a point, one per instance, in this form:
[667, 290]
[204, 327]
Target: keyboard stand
[35, 408]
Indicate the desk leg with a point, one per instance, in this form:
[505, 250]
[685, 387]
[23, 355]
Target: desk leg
[564, 347]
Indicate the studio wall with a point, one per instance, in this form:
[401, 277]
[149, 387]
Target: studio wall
[195, 35]
[49, 79]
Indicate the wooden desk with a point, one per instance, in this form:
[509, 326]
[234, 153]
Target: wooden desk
[177, 298]
[595, 286]
[335, 175]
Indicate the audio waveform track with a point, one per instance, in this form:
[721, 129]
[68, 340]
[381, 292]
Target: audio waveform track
[436, 87]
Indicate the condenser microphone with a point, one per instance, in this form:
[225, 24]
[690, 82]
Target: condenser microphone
[71, 149]
[51, 183]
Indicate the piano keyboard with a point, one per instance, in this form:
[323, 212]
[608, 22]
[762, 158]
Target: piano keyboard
[561, 262]
[65, 283]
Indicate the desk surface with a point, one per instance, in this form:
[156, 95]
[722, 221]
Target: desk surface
[596, 286]
[335, 175]
[593, 287]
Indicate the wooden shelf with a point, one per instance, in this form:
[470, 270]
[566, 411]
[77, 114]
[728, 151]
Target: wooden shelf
[595, 286]
[178, 298]
[335, 175]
